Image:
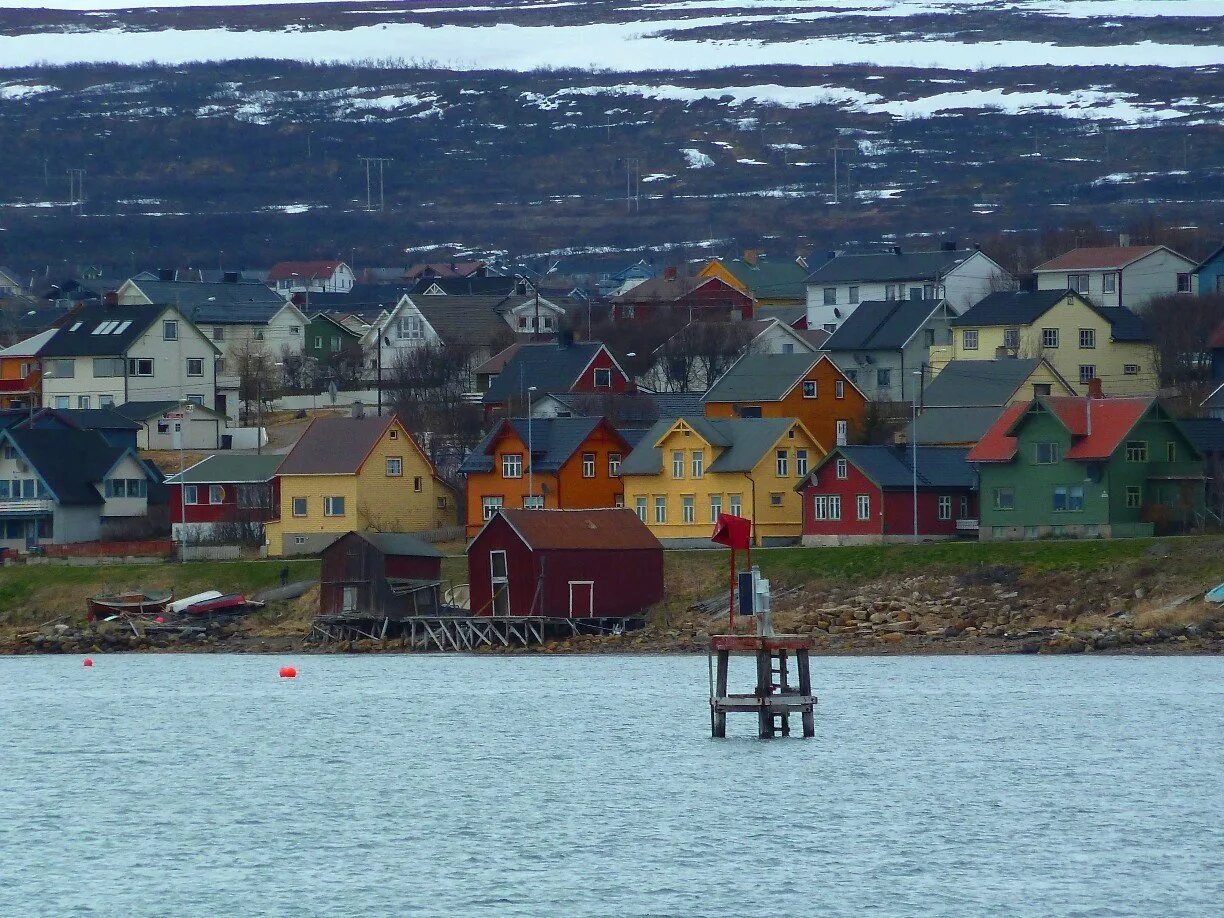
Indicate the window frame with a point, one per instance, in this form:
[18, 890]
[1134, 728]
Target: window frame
[862, 507]
[698, 463]
[293, 507]
[1087, 339]
[512, 465]
[810, 389]
[842, 468]
[398, 471]
[1087, 373]
[781, 462]
[329, 505]
[969, 339]
[170, 330]
[944, 509]
[588, 465]
[1136, 451]
[614, 465]
[191, 495]
[1050, 338]
[997, 499]
[677, 463]
[688, 508]
[490, 504]
[660, 510]
[607, 375]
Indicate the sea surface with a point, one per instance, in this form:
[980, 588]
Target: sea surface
[589, 786]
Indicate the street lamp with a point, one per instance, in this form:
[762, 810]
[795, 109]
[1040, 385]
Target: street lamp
[914, 448]
[530, 453]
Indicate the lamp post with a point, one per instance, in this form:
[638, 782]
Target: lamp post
[530, 452]
[914, 449]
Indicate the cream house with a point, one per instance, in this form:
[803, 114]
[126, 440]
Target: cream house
[1122, 275]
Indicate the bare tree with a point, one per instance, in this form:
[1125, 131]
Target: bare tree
[1181, 328]
[258, 378]
[428, 387]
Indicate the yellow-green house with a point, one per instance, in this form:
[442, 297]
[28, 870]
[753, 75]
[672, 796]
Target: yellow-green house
[686, 471]
[1081, 341]
[355, 474]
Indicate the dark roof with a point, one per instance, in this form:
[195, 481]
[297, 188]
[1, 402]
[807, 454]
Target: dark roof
[467, 286]
[1207, 434]
[787, 315]
[769, 278]
[216, 304]
[142, 411]
[925, 266]
[581, 530]
[306, 270]
[399, 543]
[1011, 307]
[130, 322]
[444, 269]
[881, 325]
[553, 442]
[963, 383]
[940, 426]
[334, 446]
[678, 404]
[761, 377]
[548, 367]
[893, 466]
[743, 441]
[91, 418]
[471, 319]
[361, 298]
[1126, 325]
[1208, 260]
[230, 468]
[69, 461]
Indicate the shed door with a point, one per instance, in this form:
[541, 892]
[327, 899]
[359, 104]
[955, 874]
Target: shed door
[348, 602]
[501, 582]
[581, 598]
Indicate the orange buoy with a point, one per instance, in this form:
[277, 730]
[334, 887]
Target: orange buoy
[88, 662]
[288, 672]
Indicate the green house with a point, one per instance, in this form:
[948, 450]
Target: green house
[1088, 468]
[326, 339]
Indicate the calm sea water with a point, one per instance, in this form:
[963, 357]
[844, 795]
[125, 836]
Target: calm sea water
[583, 786]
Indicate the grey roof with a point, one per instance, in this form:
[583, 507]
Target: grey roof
[69, 461]
[926, 266]
[399, 543]
[87, 319]
[877, 325]
[942, 426]
[1126, 326]
[1207, 434]
[787, 315]
[548, 367]
[553, 441]
[493, 285]
[977, 382]
[216, 304]
[230, 468]
[470, 319]
[744, 441]
[1010, 307]
[92, 418]
[761, 377]
[142, 411]
[361, 298]
[892, 466]
[678, 404]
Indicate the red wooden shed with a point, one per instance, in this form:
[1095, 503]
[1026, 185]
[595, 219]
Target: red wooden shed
[381, 575]
[565, 563]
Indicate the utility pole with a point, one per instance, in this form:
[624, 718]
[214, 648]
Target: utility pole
[369, 161]
[76, 188]
[836, 149]
[633, 184]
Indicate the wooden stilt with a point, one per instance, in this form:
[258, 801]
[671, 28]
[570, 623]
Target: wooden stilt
[774, 698]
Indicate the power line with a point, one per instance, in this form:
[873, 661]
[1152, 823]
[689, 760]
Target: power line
[381, 161]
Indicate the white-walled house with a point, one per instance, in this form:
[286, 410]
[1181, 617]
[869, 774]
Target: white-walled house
[291, 277]
[1124, 275]
[692, 358]
[108, 355]
[961, 277]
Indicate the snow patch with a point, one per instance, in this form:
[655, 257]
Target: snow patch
[696, 159]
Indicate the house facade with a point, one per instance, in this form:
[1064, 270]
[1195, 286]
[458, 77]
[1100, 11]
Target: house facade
[1124, 275]
[688, 297]
[685, 471]
[866, 494]
[1087, 468]
[1208, 274]
[770, 282]
[355, 473]
[328, 340]
[323, 276]
[226, 496]
[21, 371]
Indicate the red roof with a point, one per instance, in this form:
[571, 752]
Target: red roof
[602, 530]
[303, 269]
[1105, 256]
[1097, 426]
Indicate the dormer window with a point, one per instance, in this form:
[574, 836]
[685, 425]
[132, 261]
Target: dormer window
[603, 379]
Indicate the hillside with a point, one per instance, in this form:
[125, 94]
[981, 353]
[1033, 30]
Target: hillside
[231, 133]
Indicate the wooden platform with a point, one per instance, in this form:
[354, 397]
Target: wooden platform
[462, 632]
[775, 698]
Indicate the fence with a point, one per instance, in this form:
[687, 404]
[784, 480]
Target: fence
[148, 548]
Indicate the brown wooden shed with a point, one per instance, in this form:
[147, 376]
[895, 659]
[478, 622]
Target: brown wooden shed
[380, 574]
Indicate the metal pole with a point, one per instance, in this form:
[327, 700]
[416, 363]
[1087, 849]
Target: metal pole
[914, 453]
[530, 450]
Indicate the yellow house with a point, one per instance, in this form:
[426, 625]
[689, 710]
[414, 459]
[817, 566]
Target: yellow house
[685, 471]
[769, 282]
[1080, 341]
[355, 474]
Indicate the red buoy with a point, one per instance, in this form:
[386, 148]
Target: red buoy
[88, 662]
[288, 672]
[160, 620]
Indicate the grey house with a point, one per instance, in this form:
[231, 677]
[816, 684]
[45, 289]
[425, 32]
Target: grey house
[884, 344]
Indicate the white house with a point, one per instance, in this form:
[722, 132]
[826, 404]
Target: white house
[959, 276]
[312, 276]
[108, 355]
[692, 358]
[1123, 275]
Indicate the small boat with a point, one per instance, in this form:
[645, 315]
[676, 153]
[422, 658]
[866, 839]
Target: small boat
[1215, 594]
[133, 602]
[180, 604]
[231, 604]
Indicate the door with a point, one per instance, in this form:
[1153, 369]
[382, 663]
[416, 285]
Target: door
[500, 581]
[581, 598]
[842, 432]
[31, 534]
[348, 602]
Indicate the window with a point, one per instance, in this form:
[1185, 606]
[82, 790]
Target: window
[839, 388]
[163, 427]
[1041, 389]
[750, 411]
[639, 504]
[883, 379]
[106, 401]
[1049, 337]
[660, 509]
[107, 367]
[1136, 451]
[170, 330]
[788, 348]
[534, 502]
[61, 401]
[1005, 498]
[1131, 369]
[677, 464]
[1109, 283]
[775, 499]
[60, 369]
[603, 378]
[736, 507]
[964, 507]
[945, 507]
[843, 469]
[698, 463]
[1011, 338]
[970, 338]
[299, 506]
[862, 507]
[835, 506]
[715, 507]
[522, 322]
[928, 291]
[318, 343]
[781, 458]
[801, 462]
[1047, 453]
[588, 465]
[195, 366]
[218, 333]
[820, 507]
[333, 506]
[395, 466]
[1170, 451]
[83, 401]
[411, 328]
[688, 508]
[830, 296]
[809, 388]
[842, 431]
[418, 484]
[195, 398]
[1087, 373]
[1134, 497]
[335, 343]
[1068, 498]
[1087, 338]
[890, 292]
[216, 494]
[1183, 283]
[512, 465]
[489, 506]
[392, 434]
[614, 464]
[191, 495]
[854, 295]
[915, 293]
[830, 327]
[295, 329]
[1078, 282]
[140, 366]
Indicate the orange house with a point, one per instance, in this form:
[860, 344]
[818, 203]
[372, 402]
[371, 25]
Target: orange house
[809, 387]
[21, 373]
[571, 464]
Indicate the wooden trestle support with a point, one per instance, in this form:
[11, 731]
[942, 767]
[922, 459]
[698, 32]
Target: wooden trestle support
[776, 697]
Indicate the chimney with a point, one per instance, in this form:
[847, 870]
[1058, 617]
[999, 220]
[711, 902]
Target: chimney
[565, 338]
[165, 274]
[751, 256]
[1123, 240]
[230, 277]
[977, 247]
[1094, 388]
[111, 298]
[669, 273]
[896, 250]
[949, 246]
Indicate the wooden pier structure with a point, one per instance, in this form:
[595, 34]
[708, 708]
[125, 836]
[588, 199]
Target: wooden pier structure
[776, 697]
[458, 631]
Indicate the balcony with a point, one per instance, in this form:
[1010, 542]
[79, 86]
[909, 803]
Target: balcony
[966, 525]
[33, 506]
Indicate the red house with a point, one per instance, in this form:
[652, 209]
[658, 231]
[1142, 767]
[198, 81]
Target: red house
[863, 494]
[562, 366]
[224, 494]
[565, 564]
[385, 575]
[690, 298]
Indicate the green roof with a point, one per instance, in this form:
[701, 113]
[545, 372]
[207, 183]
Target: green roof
[744, 441]
[230, 469]
[770, 279]
[761, 377]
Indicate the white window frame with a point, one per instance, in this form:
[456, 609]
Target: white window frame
[489, 505]
[782, 462]
[589, 461]
[735, 504]
[969, 339]
[1087, 339]
[809, 388]
[607, 377]
[660, 508]
[590, 596]
[698, 463]
[395, 467]
[862, 507]
[512, 465]
[329, 505]
[293, 507]
[216, 494]
[191, 495]
[945, 507]
[715, 507]
[677, 463]
[170, 330]
[688, 508]
[843, 469]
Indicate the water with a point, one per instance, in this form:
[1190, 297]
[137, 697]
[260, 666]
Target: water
[585, 786]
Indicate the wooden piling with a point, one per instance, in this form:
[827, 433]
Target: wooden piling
[775, 698]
